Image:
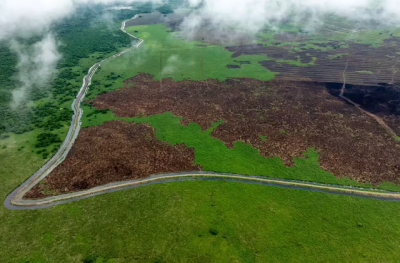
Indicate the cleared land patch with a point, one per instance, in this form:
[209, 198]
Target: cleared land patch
[281, 119]
[271, 123]
[383, 100]
[113, 152]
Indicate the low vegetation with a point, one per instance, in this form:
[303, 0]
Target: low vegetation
[45, 139]
[204, 221]
[86, 39]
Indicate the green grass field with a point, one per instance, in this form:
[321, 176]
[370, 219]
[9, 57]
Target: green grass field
[165, 56]
[197, 222]
[202, 222]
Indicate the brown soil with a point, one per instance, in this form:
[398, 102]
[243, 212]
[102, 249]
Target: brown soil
[393, 121]
[115, 151]
[294, 116]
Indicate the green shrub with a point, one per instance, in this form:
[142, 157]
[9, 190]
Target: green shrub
[213, 231]
[45, 139]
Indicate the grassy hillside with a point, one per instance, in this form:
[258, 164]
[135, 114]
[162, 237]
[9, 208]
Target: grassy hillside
[203, 222]
[166, 56]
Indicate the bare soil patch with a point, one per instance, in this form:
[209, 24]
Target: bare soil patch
[115, 151]
[293, 116]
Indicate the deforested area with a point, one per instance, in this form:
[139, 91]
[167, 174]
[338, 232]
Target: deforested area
[279, 118]
[116, 151]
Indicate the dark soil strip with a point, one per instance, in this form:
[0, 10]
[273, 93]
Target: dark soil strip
[115, 151]
[293, 116]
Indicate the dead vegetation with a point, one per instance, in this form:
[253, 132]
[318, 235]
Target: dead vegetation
[279, 118]
[115, 151]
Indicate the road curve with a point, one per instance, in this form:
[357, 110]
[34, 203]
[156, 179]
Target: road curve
[74, 129]
[22, 204]
[15, 199]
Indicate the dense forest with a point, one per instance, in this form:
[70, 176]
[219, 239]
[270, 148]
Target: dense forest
[83, 34]
[89, 31]
[93, 30]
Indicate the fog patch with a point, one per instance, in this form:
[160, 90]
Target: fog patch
[36, 66]
[108, 19]
[253, 15]
[25, 18]
[171, 66]
[117, 8]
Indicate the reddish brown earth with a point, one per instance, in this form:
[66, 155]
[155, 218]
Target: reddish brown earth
[294, 116]
[115, 151]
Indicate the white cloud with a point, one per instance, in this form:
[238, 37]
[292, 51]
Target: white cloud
[171, 65]
[35, 66]
[252, 15]
[26, 17]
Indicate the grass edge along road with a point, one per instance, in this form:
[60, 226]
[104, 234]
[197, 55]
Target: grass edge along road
[19, 204]
[176, 222]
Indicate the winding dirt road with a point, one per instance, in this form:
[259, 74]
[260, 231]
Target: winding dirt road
[15, 199]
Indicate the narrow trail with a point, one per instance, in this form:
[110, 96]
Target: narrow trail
[394, 70]
[344, 79]
[378, 119]
[202, 69]
[15, 199]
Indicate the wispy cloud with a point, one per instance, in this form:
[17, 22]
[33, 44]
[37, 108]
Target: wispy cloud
[27, 18]
[252, 15]
[24, 18]
[35, 66]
